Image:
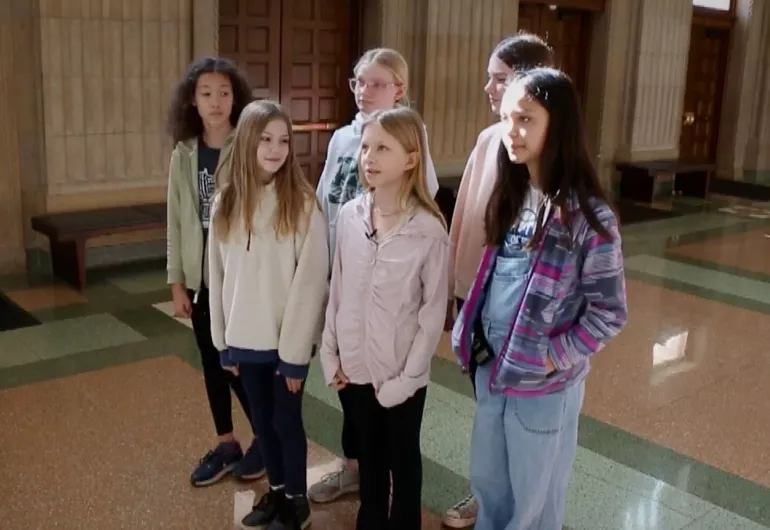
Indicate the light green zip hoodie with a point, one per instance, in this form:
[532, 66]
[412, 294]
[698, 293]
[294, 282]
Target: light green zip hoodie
[185, 257]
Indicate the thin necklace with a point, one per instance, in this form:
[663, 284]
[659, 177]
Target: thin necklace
[386, 214]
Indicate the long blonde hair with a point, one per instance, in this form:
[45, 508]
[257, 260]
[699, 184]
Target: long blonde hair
[241, 183]
[394, 63]
[406, 126]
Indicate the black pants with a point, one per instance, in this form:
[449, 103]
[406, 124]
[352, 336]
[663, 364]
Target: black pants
[349, 433]
[472, 366]
[389, 445]
[277, 419]
[218, 381]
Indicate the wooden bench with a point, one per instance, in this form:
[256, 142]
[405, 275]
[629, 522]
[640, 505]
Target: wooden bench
[658, 179]
[68, 232]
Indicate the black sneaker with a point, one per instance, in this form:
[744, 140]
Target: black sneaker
[251, 466]
[266, 510]
[217, 464]
[295, 515]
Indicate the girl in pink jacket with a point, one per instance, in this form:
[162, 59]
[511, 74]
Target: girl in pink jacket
[386, 313]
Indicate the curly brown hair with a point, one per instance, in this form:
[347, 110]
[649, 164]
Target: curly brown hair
[184, 122]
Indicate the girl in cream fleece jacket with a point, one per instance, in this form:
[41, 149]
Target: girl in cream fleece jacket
[268, 266]
[386, 313]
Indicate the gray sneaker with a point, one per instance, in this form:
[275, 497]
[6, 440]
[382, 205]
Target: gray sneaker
[463, 514]
[334, 485]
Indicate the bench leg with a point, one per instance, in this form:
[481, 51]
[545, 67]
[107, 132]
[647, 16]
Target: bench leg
[69, 262]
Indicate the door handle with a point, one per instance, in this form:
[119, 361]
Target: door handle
[689, 118]
[309, 126]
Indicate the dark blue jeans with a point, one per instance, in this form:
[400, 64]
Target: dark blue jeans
[276, 415]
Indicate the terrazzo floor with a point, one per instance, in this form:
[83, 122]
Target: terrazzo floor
[104, 412]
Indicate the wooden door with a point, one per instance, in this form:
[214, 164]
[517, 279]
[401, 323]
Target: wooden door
[567, 31]
[706, 69]
[316, 63]
[298, 52]
[250, 35]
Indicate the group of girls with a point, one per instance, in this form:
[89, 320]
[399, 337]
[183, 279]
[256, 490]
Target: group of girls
[364, 273]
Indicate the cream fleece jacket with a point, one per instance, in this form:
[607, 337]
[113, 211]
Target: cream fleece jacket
[266, 295]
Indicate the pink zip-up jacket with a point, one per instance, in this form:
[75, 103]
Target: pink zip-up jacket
[467, 237]
[387, 302]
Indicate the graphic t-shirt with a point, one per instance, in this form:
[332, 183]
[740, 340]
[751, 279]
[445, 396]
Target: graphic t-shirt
[208, 158]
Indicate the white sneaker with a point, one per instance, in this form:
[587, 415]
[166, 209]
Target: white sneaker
[334, 485]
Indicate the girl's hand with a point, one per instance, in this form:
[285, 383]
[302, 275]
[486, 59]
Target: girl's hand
[294, 385]
[182, 304]
[340, 380]
[549, 366]
[233, 370]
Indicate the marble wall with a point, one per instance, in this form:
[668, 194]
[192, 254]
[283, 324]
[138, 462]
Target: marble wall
[108, 70]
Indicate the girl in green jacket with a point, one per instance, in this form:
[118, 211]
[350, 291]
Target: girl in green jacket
[207, 104]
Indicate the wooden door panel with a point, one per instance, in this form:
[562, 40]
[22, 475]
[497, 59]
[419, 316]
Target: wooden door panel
[298, 52]
[706, 70]
[315, 63]
[250, 34]
[567, 31]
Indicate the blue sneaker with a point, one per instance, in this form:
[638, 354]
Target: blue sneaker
[251, 467]
[217, 464]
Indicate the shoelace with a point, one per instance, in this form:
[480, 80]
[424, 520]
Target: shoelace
[465, 503]
[334, 476]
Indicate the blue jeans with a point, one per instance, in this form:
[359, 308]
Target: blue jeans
[522, 451]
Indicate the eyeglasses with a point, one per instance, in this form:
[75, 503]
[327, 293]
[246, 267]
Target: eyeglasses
[375, 86]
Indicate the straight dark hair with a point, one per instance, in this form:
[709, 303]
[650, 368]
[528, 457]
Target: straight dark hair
[566, 169]
[184, 122]
[524, 51]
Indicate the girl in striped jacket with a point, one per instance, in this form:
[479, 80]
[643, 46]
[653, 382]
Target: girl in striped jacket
[550, 292]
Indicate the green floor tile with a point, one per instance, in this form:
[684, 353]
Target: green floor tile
[141, 282]
[13, 352]
[722, 520]
[150, 322]
[718, 281]
[65, 337]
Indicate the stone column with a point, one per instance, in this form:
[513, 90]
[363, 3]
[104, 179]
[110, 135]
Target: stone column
[460, 35]
[401, 26]
[744, 133]
[608, 69]
[12, 257]
[656, 79]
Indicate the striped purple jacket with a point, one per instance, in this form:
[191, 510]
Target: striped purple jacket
[573, 304]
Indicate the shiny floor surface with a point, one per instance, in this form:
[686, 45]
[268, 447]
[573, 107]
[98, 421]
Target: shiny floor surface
[104, 414]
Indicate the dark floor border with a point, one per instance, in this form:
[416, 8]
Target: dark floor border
[739, 188]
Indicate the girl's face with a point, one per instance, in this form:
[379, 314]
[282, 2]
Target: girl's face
[273, 146]
[383, 159]
[497, 72]
[375, 88]
[214, 99]
[525, 123]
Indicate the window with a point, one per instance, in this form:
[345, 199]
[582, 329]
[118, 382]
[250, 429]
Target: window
[720, 5]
